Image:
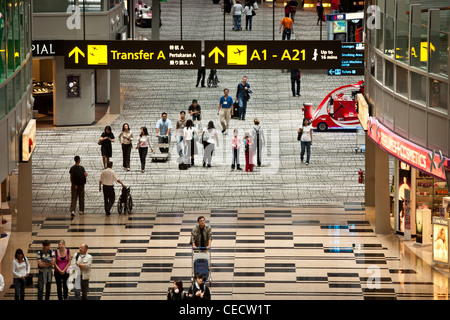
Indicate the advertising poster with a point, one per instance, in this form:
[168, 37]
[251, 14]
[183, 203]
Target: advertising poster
[73, 86]
[404, 176]
[440, 240]
[419, 225]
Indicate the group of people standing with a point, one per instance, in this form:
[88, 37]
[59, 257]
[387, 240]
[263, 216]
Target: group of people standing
[70, 271]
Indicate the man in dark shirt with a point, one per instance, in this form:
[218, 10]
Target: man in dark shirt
[242, 96]
[195, 111]
[78, 179]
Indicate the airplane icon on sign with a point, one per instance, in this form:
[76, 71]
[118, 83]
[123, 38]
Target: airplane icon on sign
[238, 51]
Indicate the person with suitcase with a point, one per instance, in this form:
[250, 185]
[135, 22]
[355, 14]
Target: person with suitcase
[201, 235]
[163, 128]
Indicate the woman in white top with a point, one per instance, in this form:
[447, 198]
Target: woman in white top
[20, 270]
[190, 135]
[126, 140]
[210, 140]
[306, 140]
[248, 11]
[142, 146]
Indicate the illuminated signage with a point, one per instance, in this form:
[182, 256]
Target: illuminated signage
[430, 162]
[272, 54]
[363, 110]
[117, 54]
[352, 60]
[440, 240]
[28, 141]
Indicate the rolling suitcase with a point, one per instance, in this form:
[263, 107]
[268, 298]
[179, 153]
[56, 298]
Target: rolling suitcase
[236, 113]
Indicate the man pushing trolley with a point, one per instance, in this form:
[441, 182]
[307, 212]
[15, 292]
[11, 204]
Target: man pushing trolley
[201, 237]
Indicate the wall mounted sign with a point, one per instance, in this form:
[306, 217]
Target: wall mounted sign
[440, 240]
[430, 162]
[28, 141]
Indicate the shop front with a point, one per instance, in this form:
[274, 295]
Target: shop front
[419, 189]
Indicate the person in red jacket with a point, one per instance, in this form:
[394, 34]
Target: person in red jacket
[335, 5]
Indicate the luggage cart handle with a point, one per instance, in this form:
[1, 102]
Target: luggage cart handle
[202, 248]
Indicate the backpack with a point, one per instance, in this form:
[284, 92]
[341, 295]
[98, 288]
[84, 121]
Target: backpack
[78, 177]
[205, 135]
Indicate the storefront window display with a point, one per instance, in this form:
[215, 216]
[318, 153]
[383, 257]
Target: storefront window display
[404, 185]
[430, 192]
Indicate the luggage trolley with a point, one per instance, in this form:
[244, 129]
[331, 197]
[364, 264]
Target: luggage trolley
[201, 263]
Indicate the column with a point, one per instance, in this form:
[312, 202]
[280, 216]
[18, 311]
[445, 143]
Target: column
[370, 173]
[155, 19]
[24, 198]
[115, 102]
[382, 197]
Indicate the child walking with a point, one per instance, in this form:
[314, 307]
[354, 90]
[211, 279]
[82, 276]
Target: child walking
[236, 144]
[248, 144]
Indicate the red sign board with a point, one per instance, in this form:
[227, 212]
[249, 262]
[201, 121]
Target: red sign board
[430, 162]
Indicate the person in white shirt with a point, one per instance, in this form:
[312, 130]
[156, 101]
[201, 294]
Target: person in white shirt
[202, 71]
[189, 137]
[237, 14]
[210, 140]
[108, 178]
[143, 144]
[248, 11]
[20, 270]
[83, 260]
[126, 140]
[306, 140]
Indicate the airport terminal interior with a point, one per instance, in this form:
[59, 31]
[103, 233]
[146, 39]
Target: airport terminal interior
[365, 217]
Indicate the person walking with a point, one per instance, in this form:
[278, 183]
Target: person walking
[291, 8]
[288, 27]
[163, 131]
[319, 10]
[249, 12]
[46, 261]
[142, 145]
[236, 144]
[306, 140]
[296, 75]
[248, 144]
[177, 291]
[106, 140]
[237, 15]
[108, 178]
[225, 103]
[195, 111]
[201, 71]
[181, 123]
[201, 235]
[210, 140]
[190, 137]
[78, 177]
[126, 140]
[20, 271]
[83, 260]
[259, 138]
[62, 263]
[242, 96]
[199, 290]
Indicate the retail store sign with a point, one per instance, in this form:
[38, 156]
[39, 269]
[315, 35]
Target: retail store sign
[116, 54]
[430, 162]
[47, 48]
[273, 54]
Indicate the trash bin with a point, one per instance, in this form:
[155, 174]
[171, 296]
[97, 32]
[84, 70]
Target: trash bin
[307, 110]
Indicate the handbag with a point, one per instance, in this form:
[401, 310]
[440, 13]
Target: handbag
[29, 278]
[299, 135]
[194, 135]
[253, 13]
[205, 135]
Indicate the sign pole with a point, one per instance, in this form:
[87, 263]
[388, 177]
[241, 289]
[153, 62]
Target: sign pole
[84, 19]
[224, 11]
[181, 19]
[273, 20]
